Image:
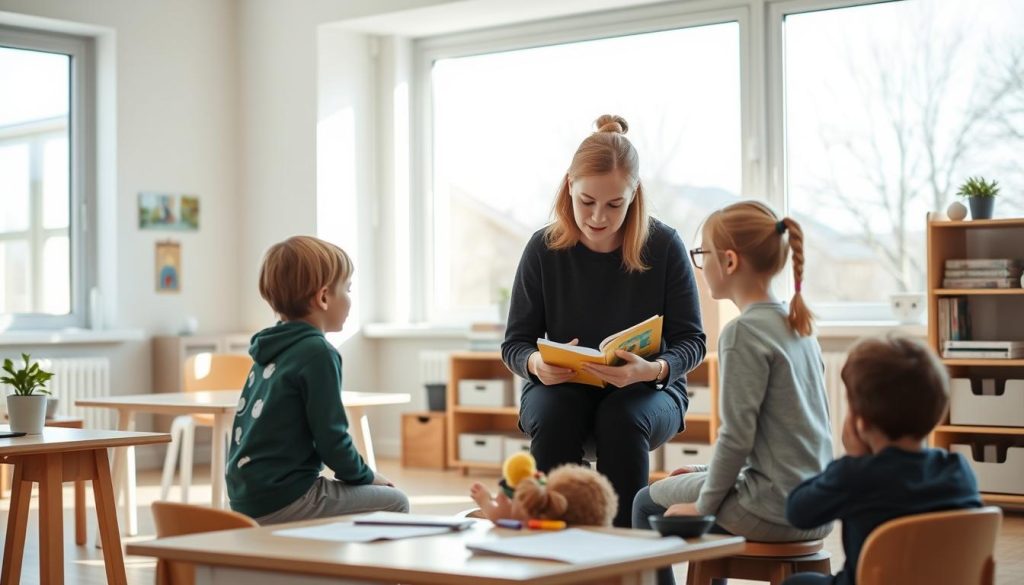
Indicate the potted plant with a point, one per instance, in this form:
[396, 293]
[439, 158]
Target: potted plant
[27, 406]
[981, 196]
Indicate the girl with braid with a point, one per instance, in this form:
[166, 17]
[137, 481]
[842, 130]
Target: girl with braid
[774, 412]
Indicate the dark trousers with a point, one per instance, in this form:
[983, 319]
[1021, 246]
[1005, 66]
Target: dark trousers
[625, 424]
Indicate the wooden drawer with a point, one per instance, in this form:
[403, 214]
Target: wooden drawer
[423, 443]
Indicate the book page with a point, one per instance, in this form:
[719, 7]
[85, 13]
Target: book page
[579, 546]
[643, 339]
[351, 532]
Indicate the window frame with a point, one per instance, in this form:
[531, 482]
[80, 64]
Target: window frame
[419, 248]
[81, 177]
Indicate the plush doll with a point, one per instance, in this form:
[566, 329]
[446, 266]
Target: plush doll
[576, 494]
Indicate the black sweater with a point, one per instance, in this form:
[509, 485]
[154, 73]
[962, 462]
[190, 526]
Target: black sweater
[867, 491]
[579, 293]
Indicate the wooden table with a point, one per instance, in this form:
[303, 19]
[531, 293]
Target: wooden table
[56, 456]
[254, 556]
[222, 405]
[66, 422]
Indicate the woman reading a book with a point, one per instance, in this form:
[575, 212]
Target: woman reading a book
[603, 266]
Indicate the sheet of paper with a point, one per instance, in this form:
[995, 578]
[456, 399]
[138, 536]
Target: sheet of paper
[350, 532]
[577, 546]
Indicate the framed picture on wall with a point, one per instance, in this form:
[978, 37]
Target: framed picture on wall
[168, 267]
[168, 211]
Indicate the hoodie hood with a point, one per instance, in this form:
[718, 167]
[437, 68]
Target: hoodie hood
[271, 342]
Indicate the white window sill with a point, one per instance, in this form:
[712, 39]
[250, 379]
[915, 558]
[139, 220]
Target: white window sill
[827, 329]
[71, 337]
[865, 328]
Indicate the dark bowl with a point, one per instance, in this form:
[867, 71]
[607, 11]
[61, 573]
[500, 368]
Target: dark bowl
[684, 526]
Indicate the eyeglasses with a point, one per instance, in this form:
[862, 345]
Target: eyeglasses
[697, 257]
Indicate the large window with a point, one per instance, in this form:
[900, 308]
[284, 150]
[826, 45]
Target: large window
[889, 107]
[40, 278]
[505, 127]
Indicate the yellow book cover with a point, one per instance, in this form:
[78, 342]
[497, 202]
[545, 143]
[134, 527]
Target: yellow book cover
[643, 339]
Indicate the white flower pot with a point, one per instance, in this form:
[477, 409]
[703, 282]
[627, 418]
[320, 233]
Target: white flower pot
[27, 413]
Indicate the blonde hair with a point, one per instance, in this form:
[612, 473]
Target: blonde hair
[295, 269]
[603, 152]
[755, 233]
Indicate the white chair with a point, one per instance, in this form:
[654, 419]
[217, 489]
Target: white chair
[205, 371]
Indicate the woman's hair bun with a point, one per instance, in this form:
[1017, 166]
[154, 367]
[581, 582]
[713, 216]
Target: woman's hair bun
[612, 123]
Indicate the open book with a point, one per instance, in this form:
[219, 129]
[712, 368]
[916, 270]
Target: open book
[643, 339]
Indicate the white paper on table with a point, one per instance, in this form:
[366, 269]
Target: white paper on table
[349, 532]
[577, 546]
[400, 519]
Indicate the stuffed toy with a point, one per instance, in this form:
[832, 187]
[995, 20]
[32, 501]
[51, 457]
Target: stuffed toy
[575, 494]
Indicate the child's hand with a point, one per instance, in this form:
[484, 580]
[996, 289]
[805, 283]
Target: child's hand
[684, 469]
[686, 509]
[636, 369]
[855, 447]
[549, 375]
[379, 479]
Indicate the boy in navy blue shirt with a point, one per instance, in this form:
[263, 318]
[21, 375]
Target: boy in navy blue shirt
[898, 390]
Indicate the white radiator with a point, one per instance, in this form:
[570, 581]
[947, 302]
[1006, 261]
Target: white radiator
[836, 391]
[434, 366]
[79, 378]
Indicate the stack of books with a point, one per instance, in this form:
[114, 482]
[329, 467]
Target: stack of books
[485, 336]
[983, 349]
[983, 273]
[954, 320]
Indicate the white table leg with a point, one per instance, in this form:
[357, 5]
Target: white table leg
[218, 458]
[124, 474]
[359, 428]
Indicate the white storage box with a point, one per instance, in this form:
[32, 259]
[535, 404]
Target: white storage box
[495, 393]
[516, 444]
[975, 402]
[680, 454]
[1004, 478]
[700, 400]
[481, 447]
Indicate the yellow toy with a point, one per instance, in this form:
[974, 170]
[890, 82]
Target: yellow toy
[575, 494]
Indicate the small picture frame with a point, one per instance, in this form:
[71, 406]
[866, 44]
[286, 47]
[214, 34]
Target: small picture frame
[168, 211]
[168, 267]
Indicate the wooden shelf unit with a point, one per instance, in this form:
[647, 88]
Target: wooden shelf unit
[700, 428]
[999, 238]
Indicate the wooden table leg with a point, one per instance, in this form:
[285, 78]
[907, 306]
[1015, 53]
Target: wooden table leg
[51, 519]
[17, 523]
[124, 473]
[81, 528]
[106, 515]
[359, 428]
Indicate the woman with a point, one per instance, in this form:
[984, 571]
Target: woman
[601, 266]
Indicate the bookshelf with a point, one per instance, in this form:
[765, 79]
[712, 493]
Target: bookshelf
[994, 314]
[700, 428]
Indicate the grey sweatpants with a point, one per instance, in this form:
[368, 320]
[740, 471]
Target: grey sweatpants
[328, 497]
[731, 516]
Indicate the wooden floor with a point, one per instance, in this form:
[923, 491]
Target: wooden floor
[431, 492]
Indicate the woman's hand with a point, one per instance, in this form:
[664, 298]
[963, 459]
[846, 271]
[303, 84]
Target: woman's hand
[379, 479]
[636, 369]
[855, 446]
[685, 469]
[549, 375]
[687, 509]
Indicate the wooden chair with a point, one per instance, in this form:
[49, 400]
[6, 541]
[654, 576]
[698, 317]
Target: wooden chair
[763, 561]
[174, 519]
[940, 547]
[205, 371]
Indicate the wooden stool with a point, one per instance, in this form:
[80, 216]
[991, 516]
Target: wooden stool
[763, 561]
[80, 524]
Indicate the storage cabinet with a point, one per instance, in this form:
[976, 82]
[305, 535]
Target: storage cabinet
[982, 421]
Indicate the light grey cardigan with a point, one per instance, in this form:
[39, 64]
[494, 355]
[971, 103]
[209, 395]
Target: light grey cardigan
[774, 411]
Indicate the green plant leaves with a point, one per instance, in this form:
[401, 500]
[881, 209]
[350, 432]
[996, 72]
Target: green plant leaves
[978, 187]
[28, 380]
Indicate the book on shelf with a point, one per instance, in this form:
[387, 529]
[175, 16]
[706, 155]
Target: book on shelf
[988, 349]
[643, 339]
[983, 264]
[963, 354]
[948, 283]
[954, 321]
[987, 273]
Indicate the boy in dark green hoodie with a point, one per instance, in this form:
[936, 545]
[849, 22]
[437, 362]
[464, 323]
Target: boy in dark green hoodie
[290, 419]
